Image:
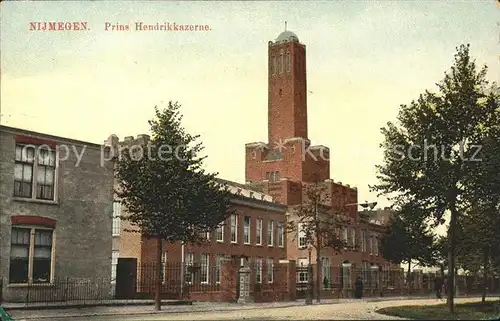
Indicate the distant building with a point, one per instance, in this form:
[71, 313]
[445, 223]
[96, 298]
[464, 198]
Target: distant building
[56, 199]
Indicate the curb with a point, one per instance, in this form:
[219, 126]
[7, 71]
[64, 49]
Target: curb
[93, 305]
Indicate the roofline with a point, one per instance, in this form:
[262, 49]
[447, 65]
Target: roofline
[252, 202]
[15, 130]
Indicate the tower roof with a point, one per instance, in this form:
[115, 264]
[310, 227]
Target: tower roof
[287, 36]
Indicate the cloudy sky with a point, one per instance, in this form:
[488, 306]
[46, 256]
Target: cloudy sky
[364, 59]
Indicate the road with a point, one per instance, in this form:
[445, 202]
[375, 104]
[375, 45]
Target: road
[357, 310]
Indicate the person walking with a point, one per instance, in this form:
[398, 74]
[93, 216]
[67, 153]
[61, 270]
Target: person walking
[358, 292]
[438, 286]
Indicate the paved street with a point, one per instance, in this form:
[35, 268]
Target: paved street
[336, 310]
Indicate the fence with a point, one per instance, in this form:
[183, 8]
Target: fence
[270, 281]
[177, 280]
[63, 291]
[340, 282]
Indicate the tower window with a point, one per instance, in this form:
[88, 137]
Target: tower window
[275, 64]
[281, 92]
[287, 62]
[280, 63]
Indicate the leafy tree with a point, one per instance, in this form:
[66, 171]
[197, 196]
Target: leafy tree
[482, 222]
[320, 225]
[408, 239]
[480, 241]
[428, 150]
[167, 194]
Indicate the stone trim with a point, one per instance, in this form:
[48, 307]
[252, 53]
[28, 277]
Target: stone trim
[20, 139]
[33, 220]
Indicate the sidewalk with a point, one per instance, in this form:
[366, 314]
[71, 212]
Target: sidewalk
[196, 307]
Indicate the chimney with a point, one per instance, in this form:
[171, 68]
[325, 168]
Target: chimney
[112, 140]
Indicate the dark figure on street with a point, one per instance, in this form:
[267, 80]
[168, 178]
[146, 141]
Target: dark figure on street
[358, 292]
[438, 286]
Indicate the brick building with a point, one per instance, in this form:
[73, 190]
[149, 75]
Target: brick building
[55, 214]
[280, 169]
[255, 233]
[285, 164]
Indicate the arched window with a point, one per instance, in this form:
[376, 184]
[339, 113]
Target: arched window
[281, 63]
[287, 62]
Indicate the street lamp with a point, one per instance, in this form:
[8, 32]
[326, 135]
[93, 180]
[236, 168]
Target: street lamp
[364, 205]
[309, 276]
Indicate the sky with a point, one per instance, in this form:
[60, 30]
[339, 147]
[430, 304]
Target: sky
[364, 59]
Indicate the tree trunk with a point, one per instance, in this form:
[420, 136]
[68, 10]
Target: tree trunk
[485, 274]
[158, 274]
[408, 277]
[318, 255]
[318, 275]
[451, 259]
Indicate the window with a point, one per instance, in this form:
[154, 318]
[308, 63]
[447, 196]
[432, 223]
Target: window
[327, 272]
[234, 228]
[189, 262]
[363, 241]
[116, 218]
[280, 63]
[273, 177]
[353, 237]
[31, 162]
[364, 271]
[270, 233]
[302, 274]
[258, 270]
[370, 244]
[30, 255]
[302, 236]
[219, 233]
[275, 65]
[375, 245]
[258, 232]
[281, 235]
[344, 235]
[218, 263]
[163, 266]
[204, 262]
[246, 230]
[287, 62]
[114, 262]
[270, 270]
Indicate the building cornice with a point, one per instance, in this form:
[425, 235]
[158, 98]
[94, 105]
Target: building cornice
[254, 203]
[37, 135]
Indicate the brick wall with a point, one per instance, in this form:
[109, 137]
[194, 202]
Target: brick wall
[82, 210]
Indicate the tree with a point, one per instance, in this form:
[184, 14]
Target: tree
[482, 222]
[408, 238]
[448, 123]
[167, 194]
[319, 224]
[479, 242]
